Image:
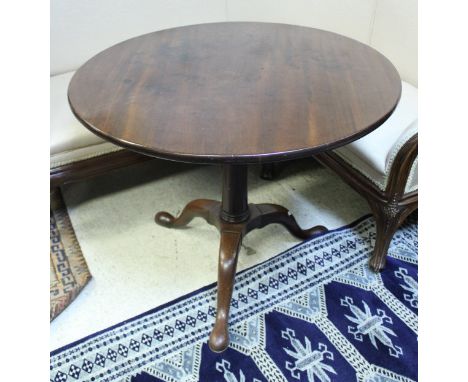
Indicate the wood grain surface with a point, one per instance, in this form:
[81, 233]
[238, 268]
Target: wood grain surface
[235, 92]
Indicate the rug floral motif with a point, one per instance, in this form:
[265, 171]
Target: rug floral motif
[313, 313]
[68, 269]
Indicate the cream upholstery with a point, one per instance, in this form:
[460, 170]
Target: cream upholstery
[373, 154]
[82, 153]
[69, 140]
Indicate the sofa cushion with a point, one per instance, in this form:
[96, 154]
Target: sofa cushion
[373, 154]
[70, 141]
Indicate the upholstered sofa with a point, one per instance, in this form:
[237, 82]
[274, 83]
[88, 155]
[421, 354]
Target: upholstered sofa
[82, 28]
[383, 165]
[383, 168]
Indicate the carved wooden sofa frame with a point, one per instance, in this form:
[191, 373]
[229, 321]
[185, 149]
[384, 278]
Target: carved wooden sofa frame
[88, 168]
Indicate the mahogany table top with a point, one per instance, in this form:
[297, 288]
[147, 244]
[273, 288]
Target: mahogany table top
[235, 92]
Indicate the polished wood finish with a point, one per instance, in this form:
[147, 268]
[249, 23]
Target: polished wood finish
[389, 207]
[235, 92]
[88, 168]
[232, 232]
[234, 208]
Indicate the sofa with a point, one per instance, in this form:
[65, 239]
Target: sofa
[82, 28]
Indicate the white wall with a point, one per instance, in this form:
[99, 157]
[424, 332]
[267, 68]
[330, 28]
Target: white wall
[82, 28]
[351, 18]
[395, 35]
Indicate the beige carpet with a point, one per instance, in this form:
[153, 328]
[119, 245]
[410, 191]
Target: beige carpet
[68, 269]
[137, 265]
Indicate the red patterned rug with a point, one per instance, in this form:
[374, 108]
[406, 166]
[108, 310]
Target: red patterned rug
[68, 269]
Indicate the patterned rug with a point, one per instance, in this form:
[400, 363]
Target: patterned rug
[313, 313]
[68, 270]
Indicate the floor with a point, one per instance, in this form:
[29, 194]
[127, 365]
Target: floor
[137, 265]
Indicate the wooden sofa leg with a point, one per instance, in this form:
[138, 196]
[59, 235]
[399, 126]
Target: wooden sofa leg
[387, 225]
[388, 218]
[268, 171]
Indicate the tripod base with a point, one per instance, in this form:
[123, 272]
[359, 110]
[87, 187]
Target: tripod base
[258, 216]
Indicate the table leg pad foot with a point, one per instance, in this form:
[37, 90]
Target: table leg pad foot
[165, 219]
[219, 338]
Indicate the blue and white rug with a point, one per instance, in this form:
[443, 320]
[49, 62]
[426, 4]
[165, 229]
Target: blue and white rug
[313, 313]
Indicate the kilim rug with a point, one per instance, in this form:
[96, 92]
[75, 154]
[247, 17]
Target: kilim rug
[313, 313]
[68, 270]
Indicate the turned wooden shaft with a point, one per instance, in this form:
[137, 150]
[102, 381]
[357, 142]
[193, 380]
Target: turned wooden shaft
[234, 203]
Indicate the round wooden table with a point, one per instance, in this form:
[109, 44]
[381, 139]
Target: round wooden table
[234, 94]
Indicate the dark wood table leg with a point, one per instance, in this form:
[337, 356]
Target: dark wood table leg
[200, 208]
[228, 253]
[265, 214]
[234, 218]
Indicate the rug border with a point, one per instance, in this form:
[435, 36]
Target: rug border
[202, 289]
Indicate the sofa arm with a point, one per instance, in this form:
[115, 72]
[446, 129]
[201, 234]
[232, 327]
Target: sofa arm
[402, 164]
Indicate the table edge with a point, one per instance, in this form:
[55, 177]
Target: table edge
[235, 159]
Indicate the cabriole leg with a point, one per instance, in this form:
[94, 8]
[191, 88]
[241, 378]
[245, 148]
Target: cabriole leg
[228, 253]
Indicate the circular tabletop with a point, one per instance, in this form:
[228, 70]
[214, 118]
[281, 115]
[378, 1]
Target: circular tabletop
[235, 92]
